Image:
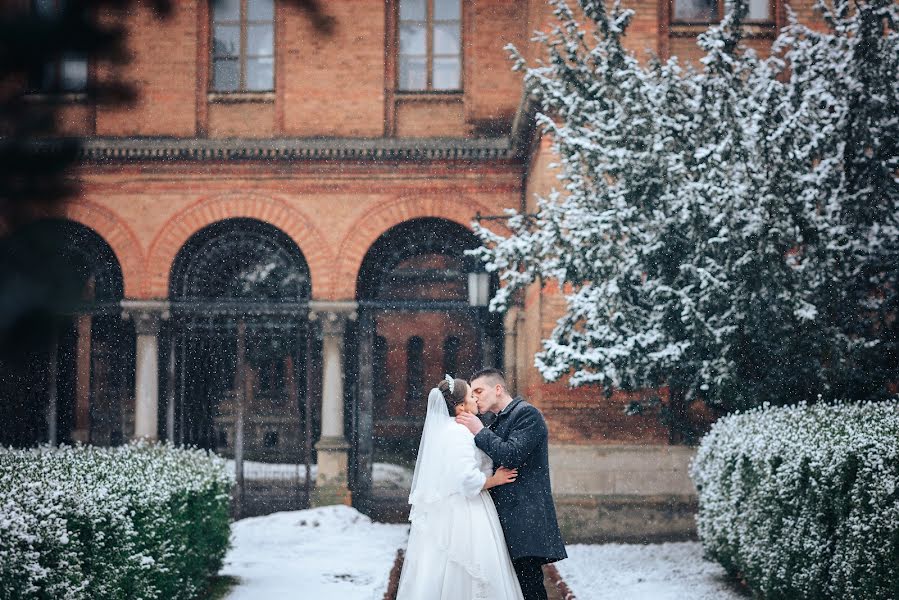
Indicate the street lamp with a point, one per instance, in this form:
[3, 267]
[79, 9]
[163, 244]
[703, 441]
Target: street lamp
[478, 289]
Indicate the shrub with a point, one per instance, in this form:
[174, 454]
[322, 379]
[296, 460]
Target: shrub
[803, 501]
[141, 521]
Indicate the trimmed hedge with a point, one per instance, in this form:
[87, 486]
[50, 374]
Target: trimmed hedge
[141, 521]
[803, 501]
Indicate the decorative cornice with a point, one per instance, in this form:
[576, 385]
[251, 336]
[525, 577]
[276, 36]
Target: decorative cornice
[117, 150]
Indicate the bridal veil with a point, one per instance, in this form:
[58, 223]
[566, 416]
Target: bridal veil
[456, 546]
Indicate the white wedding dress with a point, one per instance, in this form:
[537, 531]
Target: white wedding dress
[456, 548]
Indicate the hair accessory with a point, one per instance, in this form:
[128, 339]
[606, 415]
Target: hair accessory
[451, 382]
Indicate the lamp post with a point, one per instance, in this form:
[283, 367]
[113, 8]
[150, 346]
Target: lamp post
[478, 289]
[479, 299]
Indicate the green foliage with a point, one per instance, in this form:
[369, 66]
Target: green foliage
[138, 522]
[803, 502]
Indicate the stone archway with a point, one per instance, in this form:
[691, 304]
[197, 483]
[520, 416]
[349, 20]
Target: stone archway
[208, 211]
[368, 228]
[76, 387]
[239, 291]
[416, 322]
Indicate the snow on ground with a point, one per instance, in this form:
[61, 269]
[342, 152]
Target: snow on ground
[337, 552]
[385, 475]
[672, 571]
[328, 552]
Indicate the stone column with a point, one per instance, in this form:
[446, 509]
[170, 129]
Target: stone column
[362, 486]
[170, 392]
[331, 483]
[147, 317]
[53, 393]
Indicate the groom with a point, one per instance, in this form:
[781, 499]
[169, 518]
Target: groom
[517, 439]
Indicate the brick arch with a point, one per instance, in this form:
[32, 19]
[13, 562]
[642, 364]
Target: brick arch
[121, 239]
[375, 222]
[209, 210]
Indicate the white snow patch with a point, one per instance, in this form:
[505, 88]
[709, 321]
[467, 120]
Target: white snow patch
[671, 571]
[385, 475]
[327, 552]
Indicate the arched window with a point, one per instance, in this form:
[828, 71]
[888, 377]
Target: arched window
[423, 259]
[73, 380]
[240, 260]
[415, 372]
[414, 292]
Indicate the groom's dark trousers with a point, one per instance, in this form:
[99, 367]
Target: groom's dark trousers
[530, 576]
[517, 438]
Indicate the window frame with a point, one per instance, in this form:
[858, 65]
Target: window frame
[674, 21]
[243, 23]
[429, 51]
[671, 29]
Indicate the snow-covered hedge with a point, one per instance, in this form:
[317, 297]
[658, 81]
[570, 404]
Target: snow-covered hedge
[803, 501]
[140, 521]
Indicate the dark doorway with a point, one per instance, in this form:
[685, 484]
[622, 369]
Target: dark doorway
[67, 376]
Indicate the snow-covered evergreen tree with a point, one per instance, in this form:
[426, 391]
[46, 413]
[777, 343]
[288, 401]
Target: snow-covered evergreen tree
[843, 98]
[729, 232]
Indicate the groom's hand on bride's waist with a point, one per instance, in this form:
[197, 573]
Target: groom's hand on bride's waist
[470, 421]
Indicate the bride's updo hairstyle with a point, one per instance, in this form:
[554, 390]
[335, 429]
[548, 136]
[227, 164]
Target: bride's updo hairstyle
[456, 397]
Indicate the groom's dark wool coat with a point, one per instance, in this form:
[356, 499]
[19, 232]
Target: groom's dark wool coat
[518, 439]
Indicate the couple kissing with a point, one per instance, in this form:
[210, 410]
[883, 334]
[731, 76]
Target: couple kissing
[483, 521]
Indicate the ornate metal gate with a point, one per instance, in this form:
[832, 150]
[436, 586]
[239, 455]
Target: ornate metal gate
[239, 366]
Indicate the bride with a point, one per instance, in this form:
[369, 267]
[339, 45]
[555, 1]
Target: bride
[456, 546]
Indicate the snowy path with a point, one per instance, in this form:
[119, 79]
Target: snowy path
[336, 552]
[329, 552]
[674, 571]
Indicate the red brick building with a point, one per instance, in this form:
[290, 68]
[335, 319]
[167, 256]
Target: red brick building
[290, 198]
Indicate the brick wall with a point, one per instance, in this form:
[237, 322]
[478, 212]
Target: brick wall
[334, 213]
[336, 81]
[492, 89]
[162, 67]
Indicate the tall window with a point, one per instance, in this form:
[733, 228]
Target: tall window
[709, 11]
[243, 46]
[415, 372]
[430, 45]
[68, 73]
